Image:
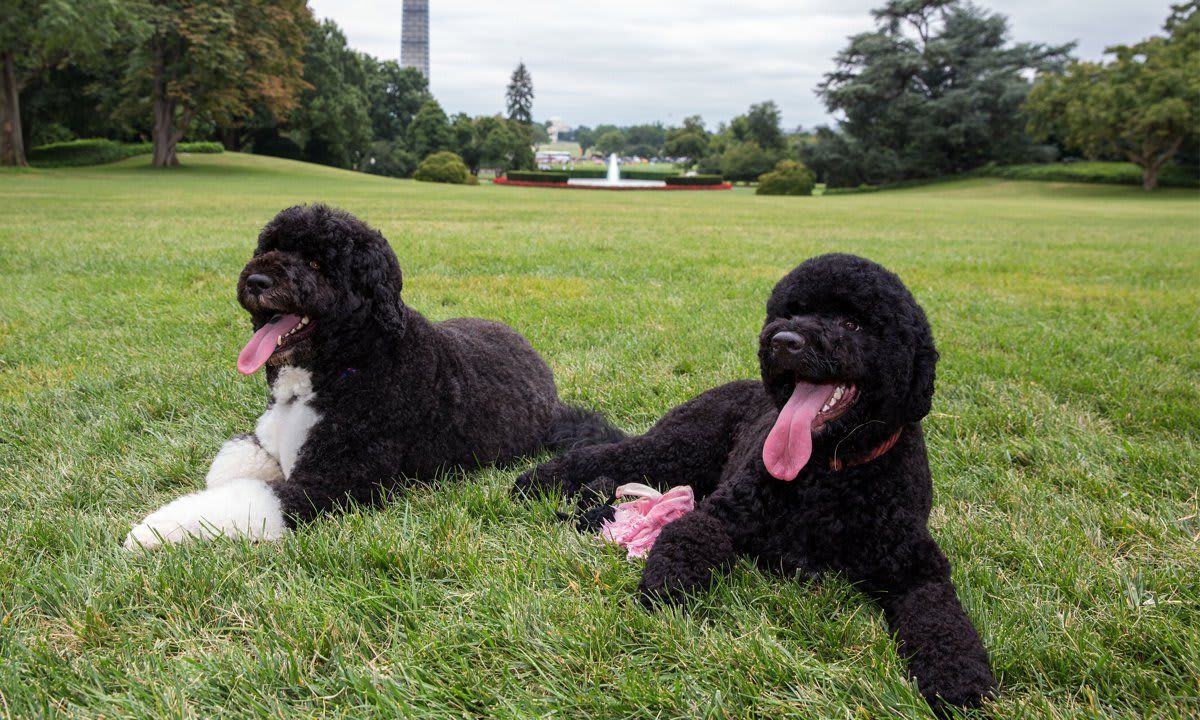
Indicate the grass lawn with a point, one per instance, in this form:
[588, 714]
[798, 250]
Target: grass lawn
[1065, 445]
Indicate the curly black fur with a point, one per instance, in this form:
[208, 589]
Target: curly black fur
[858, 325]
[398, 397]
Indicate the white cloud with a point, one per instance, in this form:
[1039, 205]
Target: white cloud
[623, 61]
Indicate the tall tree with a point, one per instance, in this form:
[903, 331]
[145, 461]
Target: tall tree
[761, 125]
[333, 122]
[38, 35]
[937, 88]
[519, 95]
[429, 131]
[689, 140]
[1142, 106]
[394, 96]
[211, 62]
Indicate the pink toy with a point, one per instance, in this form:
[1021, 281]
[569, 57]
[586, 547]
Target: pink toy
[636, 524]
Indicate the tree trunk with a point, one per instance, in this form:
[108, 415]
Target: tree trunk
[12, 145]
[231, 139]
[163, 133]
[1150, 177]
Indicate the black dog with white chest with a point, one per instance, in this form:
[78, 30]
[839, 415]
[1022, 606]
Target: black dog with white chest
[820, 466]
[365, 393]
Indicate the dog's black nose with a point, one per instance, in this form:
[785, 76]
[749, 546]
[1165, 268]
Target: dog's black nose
[259, 282]
[787, 342]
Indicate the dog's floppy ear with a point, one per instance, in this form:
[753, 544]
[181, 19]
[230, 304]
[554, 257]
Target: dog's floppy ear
[379, 280]
[919, 400]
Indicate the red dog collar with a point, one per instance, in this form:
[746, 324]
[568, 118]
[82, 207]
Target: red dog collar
[836, 464]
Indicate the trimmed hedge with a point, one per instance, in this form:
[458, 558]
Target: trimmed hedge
[1107, 173]
[694, 180]
[537, 176]
[78, 153]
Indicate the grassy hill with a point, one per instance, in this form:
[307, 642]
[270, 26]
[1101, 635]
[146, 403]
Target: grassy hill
[1065, 444]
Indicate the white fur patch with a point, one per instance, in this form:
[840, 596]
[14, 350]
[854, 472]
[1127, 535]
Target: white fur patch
[283, 428]
[243, 507]
[242, 457]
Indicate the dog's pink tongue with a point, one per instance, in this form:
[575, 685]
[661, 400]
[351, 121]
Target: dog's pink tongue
[260, 347]
[789, 444]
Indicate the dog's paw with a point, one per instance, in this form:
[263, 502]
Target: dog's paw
[592, 519]
[242, 457]
[538, 481]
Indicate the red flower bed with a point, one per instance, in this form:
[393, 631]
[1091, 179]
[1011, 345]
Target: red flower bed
[521, 183]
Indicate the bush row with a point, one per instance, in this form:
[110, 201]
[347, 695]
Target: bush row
[537, 176]
[77, 153]
[1109, 173]
[694, 180]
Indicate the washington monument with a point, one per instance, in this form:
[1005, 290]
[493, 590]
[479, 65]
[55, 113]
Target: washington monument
[414, 36]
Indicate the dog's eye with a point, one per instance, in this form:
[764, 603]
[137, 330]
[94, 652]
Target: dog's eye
[851, 325]
[314, 264]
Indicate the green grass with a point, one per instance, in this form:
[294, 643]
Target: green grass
[1065, 445]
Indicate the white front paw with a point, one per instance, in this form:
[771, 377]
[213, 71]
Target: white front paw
[239, 508]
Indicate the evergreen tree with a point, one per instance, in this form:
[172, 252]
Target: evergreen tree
[519, 96]
[937, 88]
[429, 131]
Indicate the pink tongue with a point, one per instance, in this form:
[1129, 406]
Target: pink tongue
[789, 443]
[260, 347]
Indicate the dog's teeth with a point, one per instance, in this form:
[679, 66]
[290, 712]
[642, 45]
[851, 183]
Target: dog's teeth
[304, 320]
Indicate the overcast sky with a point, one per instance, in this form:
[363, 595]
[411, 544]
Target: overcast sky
[632, 61]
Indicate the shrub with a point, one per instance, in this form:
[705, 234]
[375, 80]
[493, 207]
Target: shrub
[788, 178]
[443, 167]
[537, 176]
[694, 180]
[280, 146]
[98, 151]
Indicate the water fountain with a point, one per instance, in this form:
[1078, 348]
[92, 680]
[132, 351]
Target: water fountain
[613, 179]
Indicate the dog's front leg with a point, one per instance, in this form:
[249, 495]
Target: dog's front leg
[943, 649]
[240, 507]
[239, 501]
[689, 551]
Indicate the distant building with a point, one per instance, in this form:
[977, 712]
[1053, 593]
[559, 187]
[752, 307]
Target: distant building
[414, 36]
[557, 126]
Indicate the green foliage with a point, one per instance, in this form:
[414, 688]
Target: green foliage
[394, 96]
[78, 153]
[38, 35]
[538, 176]
[1108, 173]
[333, 122]
[745, 161]
[610, 142]
[519, 96]
[936, 89]
[688, 141]
[760, 126]
[788, 178]
[429, 131]
[391, 159]
[1141, 106]
[701, 180]
[444, 167]
[204, 63]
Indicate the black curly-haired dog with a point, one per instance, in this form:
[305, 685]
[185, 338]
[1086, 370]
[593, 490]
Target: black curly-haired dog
[820, 466]
[365, 392]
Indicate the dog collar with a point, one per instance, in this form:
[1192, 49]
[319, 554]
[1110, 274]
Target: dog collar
[836, 464]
